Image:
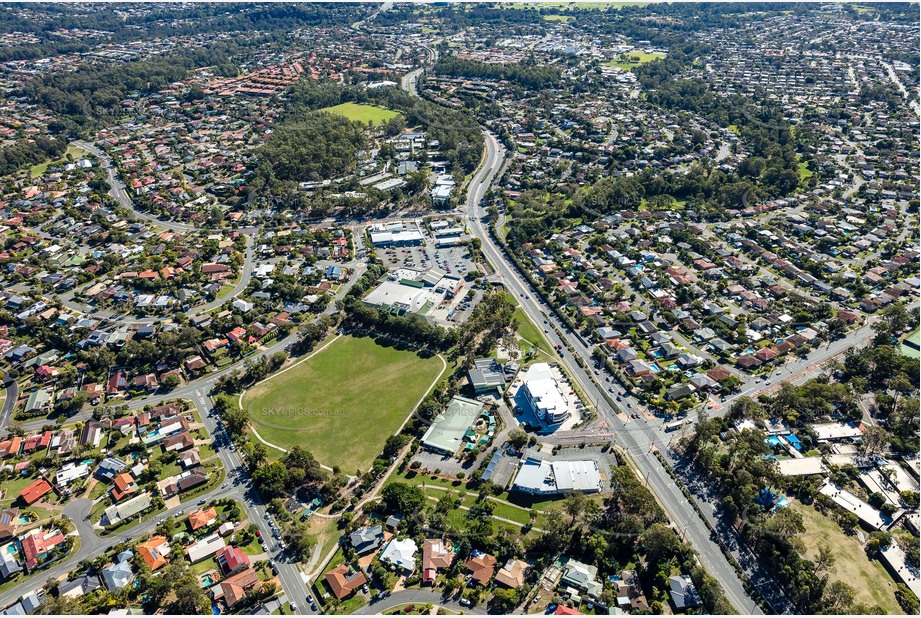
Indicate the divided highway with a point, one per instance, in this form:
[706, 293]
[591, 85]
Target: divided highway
[637, 440]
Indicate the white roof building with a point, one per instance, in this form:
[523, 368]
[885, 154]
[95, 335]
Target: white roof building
[205, 548]
[828, 432]
[401, 554]
[71, 472]
[539, 476]
[543, 393]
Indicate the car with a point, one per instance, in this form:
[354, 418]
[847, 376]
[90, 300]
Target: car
[629, 405]
[313, 606]
[224, 486]
[309, 598]
[180, 512]
[293, 606]
[202, 501]
[259, 533]
[465, 602]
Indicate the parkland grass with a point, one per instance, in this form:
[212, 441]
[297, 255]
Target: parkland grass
[634, 59]
[324, 404]
[362, 113]
[872, 582]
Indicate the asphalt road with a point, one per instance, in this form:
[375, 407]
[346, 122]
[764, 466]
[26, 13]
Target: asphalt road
[12, 396]
[238, 486]
[121, 196]
[416, 596]
[637, 440]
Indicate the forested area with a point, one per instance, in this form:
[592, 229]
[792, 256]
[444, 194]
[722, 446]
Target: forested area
[311, 146]
[529, 75]
[301, 147]
[30, 152]
[771, 168]
[173, 20]
[94, 93]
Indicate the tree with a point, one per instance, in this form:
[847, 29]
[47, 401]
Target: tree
[838, 597]
[824, 561]
[271, 479]
[786, 523]
[394, 445]
[659, 543]
[875, 440]
[504, 600]
[258, 455]
[170, 381]
[517, 438]
[403, 499]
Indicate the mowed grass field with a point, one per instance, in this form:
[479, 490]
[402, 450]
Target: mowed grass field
[576, 6]
[342, 403]
[362, 113]
[625, 61]
[74, 151]
[872, 582]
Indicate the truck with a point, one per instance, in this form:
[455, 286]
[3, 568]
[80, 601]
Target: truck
[676, 425]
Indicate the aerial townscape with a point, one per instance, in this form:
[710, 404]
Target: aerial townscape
[434, 308]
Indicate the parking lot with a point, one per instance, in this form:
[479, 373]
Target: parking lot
[454, 261]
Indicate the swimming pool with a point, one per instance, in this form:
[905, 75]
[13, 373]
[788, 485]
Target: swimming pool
[654, 368]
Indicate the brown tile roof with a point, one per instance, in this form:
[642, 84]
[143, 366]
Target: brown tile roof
[342, 583]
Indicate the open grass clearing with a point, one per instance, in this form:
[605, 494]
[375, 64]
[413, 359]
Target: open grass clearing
[324, 405]
[575, 6]
[362, 113]
[871, 581]
[634, 59]
[527, 330]
[75, 152]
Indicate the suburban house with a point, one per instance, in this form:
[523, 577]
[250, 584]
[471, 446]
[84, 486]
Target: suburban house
[683, 592]
[202, 518]
[401, 554]
[582, 577]
[481, 567]
[342, 582]
[205, 548]
[154, 552]
[232, 560]
[435, 555]
[366, 540]
[512, 575]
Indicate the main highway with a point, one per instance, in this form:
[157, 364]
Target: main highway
[636, 440]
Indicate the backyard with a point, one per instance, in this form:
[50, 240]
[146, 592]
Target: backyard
[322, 404]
